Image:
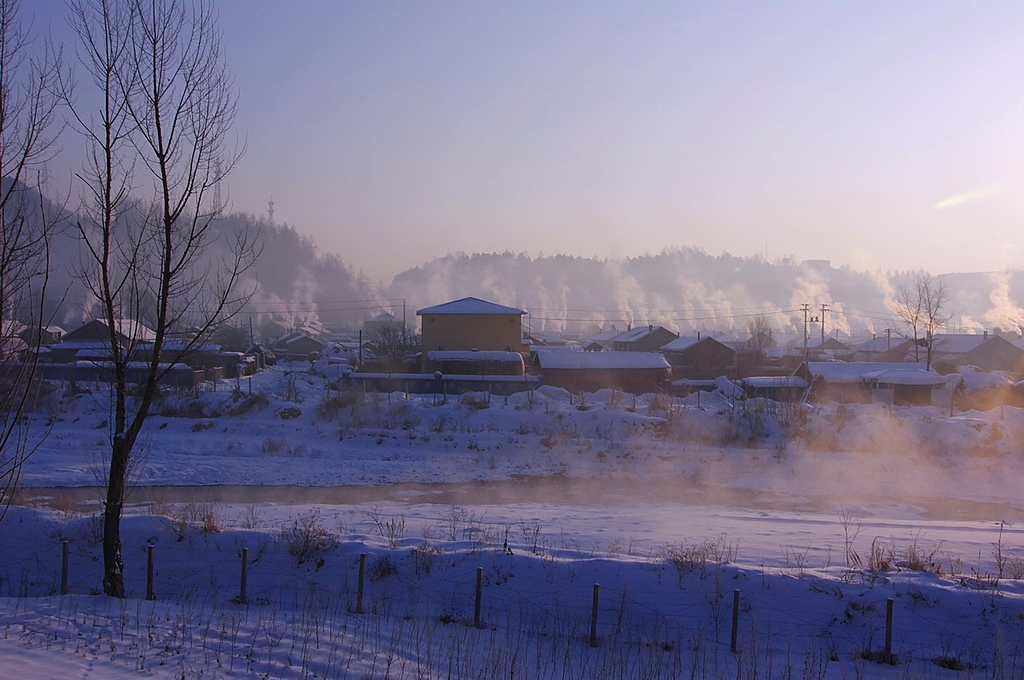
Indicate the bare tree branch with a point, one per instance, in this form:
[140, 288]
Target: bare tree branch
[921, 308]
[27, 131]
[157, 261]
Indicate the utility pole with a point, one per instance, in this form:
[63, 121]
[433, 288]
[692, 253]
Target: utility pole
[806, 308]
[824, 309]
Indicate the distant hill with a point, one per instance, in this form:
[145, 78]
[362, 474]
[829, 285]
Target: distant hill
[295, 281]
[690, 291]
[298, 283]
[684, 289]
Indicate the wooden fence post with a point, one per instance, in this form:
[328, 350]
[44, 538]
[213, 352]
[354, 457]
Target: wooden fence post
[735, 620]
[64, 568]
[359, 588]
[593, 615]
[150, 595]
[479, 596]
[243, 596]
[888, 632]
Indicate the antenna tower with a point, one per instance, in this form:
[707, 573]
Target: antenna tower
[270, 210]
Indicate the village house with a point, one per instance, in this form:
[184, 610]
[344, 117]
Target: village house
[648, 338]
[697, 358]
[832, 349]
[901, 384]
[884, 348]
[298, 346]
[470, 323]
[42, 335]
[989, 352]
[91, 341]
[636, 372]
[602, 340]
[775, 387]
[475, 362]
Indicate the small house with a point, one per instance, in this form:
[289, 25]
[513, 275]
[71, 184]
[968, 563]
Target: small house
[636, 372]
[298, 346]
[699, 358]
[648, 338]
[865, 382]
[988, 352]
[774, 387]
[475, 362]
[92, 340]
[471, 323]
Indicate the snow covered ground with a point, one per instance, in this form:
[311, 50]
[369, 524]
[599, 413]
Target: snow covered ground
[813, 517]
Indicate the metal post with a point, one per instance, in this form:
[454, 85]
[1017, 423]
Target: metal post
[64, 568]
[593, 616]
[359, 587]
[735, 620]
[479, 596]
[150, 595]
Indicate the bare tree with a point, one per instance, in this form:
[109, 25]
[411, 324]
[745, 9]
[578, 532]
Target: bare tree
[394, 344]
[759, 342]
[921, 307]
[27, 132]
[157, 265]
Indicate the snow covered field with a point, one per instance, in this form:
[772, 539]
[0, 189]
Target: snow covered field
[813, 517]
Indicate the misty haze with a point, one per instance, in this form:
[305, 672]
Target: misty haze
[549, 341]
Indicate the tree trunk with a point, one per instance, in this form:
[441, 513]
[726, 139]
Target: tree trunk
[113, 564]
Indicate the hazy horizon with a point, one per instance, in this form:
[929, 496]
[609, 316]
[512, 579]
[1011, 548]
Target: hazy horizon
[872, 135]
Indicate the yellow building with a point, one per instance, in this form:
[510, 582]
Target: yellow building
[471, 323]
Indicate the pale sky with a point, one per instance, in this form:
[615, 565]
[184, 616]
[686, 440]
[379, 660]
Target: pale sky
[876, 134]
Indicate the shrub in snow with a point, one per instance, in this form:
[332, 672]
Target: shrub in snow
[308, 540]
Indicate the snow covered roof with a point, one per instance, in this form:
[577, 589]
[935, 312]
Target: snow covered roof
[682, 344]
[298, 336]
[85, 343]
[858, 371]
[449, 377]
[605, 336]
[976, 380]
[832, 344]
[639, 332]
[958, 343]
[473, 355]
[470, 305]
[905, 376]
[765, 381]
[601, 360]
[105, 364]
[685, 342]
[180, 345]
[129, 328]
